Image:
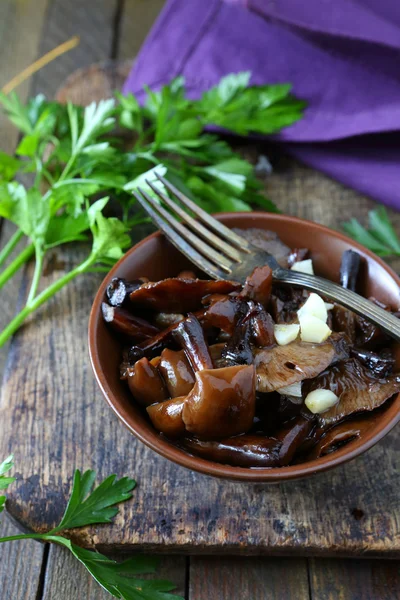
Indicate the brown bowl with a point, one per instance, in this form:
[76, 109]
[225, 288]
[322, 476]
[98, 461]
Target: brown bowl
[156, 258]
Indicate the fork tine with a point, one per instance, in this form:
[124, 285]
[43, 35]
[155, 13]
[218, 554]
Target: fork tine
[217, 226]
[197, 226]
[219, 259]
[179, 242]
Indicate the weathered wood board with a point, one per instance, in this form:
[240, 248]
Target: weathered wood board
[54, 418]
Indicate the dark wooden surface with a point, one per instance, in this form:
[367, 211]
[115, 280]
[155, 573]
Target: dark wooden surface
[55, 419]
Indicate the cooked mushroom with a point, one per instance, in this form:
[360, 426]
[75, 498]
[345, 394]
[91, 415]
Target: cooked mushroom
[223, 311]
[124, 322]
[380, 365]
[145, 383]
[258, 285]
[179, 295]
[280, 366]
[167, 417]
[190, 336]
[338, 436]
[292, 436]
[262, 327]
[238, 350]
[222, 402]
[119, 289]
[176, 372]
[242, 451]
[357, 389]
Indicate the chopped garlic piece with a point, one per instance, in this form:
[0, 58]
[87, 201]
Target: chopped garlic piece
[304, 266]
[284, 334]
[329, 306]
[320, 401]
[313, 329]
[291, 390]
[315, 306]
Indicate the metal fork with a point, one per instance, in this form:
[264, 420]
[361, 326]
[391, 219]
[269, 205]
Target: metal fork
[222, 254]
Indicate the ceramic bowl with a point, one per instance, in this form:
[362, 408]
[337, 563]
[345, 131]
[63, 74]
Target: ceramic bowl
[156, 258]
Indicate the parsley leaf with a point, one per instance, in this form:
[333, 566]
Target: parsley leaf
[88, 506]
[5, 466]
[380, 236]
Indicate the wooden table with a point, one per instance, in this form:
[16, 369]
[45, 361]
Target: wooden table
[115, 29]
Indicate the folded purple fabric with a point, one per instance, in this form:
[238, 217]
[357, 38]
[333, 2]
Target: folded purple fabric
[342, 57]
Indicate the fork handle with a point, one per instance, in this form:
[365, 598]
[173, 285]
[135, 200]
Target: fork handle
[356, 303]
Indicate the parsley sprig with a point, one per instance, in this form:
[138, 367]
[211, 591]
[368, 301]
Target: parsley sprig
[75, 155]
[380, 236]
[89, 505]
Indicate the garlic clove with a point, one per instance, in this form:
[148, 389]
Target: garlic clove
[319, 401]
[313, 329]
[315, 306]
[303, 266]
[284, 334]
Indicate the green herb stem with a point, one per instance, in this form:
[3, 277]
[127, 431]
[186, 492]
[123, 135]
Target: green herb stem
[30, 307]
[22, 536]
[9, 247]
[39, 254]
[16, 264]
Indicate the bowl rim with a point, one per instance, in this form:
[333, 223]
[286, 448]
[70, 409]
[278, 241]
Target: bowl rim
[200, 465]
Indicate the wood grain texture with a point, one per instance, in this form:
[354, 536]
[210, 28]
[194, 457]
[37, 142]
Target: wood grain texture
[21, 23]
[51, 404]
[215, 578]
[92, 21]
[20, 565]
[354, 579]
[66, 579]
[136, 20]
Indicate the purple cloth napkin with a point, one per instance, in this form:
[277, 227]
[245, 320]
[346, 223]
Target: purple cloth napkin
[342, 57]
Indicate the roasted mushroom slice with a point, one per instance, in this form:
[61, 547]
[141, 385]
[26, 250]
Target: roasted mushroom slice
[340, 435]
[380, 365]
[222, 402]
[119, 289]
[154, 346]
[179, 295]
[285, 302]
[281, 366]
[356, 388]
[145, 383]
[242, 451]
[190, 336]
[223, 311]
[176, 372]
[124, 322]
[167, 417]
[238, 349]
[258, 285]
[292, 436]
[262, 327]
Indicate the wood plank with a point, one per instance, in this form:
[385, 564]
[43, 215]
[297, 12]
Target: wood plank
[21, 23]
[354, 579]
[66, 579]
[92, 21]
[253, 578]
[20, 565]
[174, 509]
[137, 18]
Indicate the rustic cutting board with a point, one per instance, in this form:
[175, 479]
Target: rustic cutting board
[53, 417]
